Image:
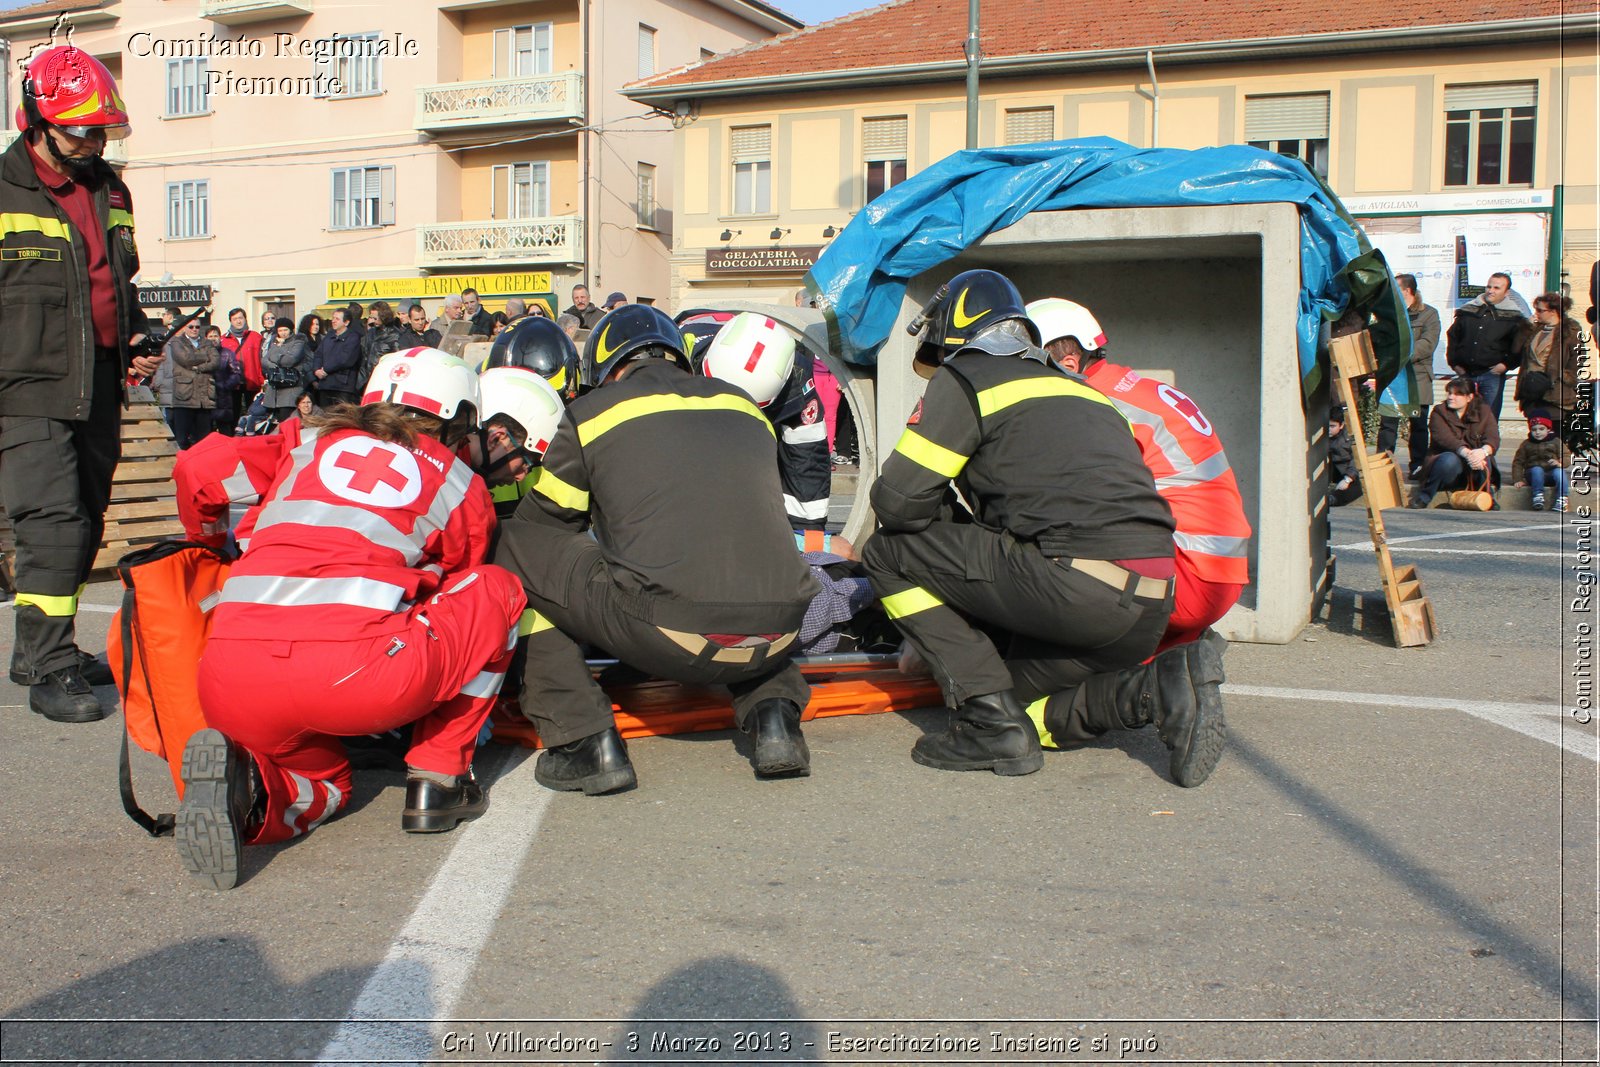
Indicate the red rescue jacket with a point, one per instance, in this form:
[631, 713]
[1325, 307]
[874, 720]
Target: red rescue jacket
[1181, 448]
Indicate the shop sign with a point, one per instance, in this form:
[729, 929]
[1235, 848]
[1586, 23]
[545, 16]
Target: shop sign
[516, 283]
[795, 260]
[183, 296]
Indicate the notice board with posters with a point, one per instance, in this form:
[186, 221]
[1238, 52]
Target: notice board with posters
[1452, 242]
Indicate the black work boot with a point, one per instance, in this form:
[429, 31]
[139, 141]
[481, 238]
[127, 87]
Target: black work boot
[222, 802]
[95, 669]
[987, 733]
[63, 696]
[433, 807]
[1189, 709]
[780, 749]
[595, 764]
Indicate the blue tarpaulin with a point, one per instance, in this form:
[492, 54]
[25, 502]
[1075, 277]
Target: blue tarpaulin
[933, 216]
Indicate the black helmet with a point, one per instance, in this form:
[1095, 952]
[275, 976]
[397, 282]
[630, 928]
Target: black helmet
[623, 335]
[699, 327]
[970, 303]
[538, 344]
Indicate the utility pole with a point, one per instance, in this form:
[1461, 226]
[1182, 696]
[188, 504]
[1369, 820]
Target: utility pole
[973, 55]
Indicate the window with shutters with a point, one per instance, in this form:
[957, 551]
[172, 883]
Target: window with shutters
[752, 170]
[521, 190]
[523, 51]
[188, 210]
[647, 50]
[349, 65]
[883, 148]
[1488, 133]
[363, 197]
[645, 202]
[1026, 125]
[187, 91]
[1292, 125]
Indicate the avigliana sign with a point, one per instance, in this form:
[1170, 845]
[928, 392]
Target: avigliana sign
[437, 285]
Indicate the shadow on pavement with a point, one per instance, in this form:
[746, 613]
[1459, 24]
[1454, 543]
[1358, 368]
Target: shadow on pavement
[721, 1008]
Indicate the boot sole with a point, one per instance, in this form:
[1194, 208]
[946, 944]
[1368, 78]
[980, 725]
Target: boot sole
[415, 821]
[1206, 743]
[783, 758]
[1014, 766]
[593, 786]
[208, 842]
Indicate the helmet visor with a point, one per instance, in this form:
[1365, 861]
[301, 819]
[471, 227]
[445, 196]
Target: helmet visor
[113, 133]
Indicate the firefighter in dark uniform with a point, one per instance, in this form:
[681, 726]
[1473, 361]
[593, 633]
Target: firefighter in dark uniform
[72, 321]
[760, 356]
[1066, 557]
[691, 573]
[539, 345]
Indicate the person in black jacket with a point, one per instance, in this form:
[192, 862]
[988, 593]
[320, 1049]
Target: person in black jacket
[1483, 340]
[338, 363]
[691, 573]
[417, 333]
[1066, 554]
[1344, 478]
[381, 338]
[72, 333]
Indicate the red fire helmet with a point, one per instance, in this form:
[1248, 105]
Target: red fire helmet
[67, 87]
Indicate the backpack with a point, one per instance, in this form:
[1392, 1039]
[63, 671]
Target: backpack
[154, 649]
[229, 374]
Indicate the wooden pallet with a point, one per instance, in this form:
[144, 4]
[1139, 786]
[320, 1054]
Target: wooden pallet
[144, 503]
[1410, 612]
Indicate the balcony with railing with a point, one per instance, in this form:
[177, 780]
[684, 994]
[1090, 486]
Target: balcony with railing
[116, 152]
[514, 243]
[500, 101]
[241, 12]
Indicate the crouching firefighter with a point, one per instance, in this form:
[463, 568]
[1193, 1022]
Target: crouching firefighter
[362, 602]
[1066, 557]
[691, 573]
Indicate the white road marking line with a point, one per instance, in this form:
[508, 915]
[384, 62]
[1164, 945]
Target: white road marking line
[104, 609]
[432, 959]
[1542, 722]
[1458, 533]
[1455, 551]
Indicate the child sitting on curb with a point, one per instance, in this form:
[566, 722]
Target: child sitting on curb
[1542, 458]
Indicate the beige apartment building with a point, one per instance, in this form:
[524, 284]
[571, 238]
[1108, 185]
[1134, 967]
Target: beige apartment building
[296, 154]
[1416, 115]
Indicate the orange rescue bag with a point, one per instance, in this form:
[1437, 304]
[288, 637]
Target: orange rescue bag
[154, 651]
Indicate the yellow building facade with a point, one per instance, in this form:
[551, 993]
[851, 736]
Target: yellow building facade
[771, 164]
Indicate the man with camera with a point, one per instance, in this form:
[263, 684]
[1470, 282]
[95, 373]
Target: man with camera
[73, 332]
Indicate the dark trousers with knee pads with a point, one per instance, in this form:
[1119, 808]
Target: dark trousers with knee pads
[1059, 626]
[55, 484]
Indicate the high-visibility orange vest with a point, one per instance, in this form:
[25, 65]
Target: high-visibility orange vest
[154, 651]
[1181, 448]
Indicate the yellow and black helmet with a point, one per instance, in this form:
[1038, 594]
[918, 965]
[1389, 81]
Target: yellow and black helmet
[630, 332]
[536, 343]
[969, 304]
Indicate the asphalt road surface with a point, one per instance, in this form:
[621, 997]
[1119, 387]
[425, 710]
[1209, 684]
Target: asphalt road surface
[1395, 862]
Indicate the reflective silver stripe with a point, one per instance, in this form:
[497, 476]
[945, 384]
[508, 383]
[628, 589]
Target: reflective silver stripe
[239, 487]
[303, 795]
[457, 480]
[1234, 547]
[486, 684]
[335, 798]
[370, 525]
[801, 435]
[809, 509]
[1185, 470]
[286, 592]
[1192, 473]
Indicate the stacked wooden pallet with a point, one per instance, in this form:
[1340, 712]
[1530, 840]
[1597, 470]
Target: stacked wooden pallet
[144, 506]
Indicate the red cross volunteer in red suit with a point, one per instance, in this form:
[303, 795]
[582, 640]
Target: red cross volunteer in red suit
[362, 602]
[71, 325]
[1180, 446]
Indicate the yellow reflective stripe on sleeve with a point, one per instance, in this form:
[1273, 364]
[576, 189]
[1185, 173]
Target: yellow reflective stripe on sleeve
[20, 222]
[532, 622]
[1001, 397]
[640, 406]
[568, 496]
[119, 217]
[909, 602]
[924, 453]
[1036, 713]
[57, 607]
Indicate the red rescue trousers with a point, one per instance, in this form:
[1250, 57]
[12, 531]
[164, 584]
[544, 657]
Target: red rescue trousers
[289, 702]
[1196, 603]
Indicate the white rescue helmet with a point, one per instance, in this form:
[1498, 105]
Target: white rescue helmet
[425, 379]
[525, 397]
[1057, 318]
[754, 353]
